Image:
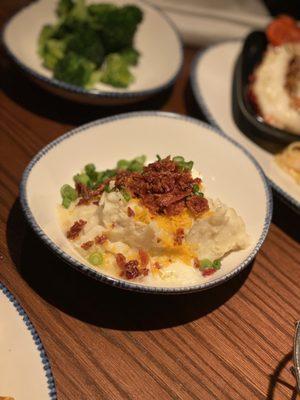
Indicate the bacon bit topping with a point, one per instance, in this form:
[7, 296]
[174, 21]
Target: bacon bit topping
[83, 202]
[131, 270]
[144, 257]
[96, 202]
[130, 212]
[197, 205]
[197, 263]
[121, 260]
[100, 239]
[208, 271]
[144, 271]
[157, 265]
[88, 195]
[75, 229]
[179, 236]
[162, 187]
[87, 245]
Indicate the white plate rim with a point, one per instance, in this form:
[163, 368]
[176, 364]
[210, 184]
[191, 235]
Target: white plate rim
[98, 275]
[36, 339]
[97, 94]
[286, 197]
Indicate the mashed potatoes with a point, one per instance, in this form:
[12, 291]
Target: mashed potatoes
[213, 235]
[276, 89]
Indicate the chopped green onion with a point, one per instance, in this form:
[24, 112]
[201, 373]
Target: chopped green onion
[140, 159]
[189, 165]
[217, 264]
[126, 195]
[206, 263]
[196, 189]
[135, 167]
[178, 160]
[68, 195]
[123, 164]
[91, 172]
[200, 194]
[107, 188]
[68, 192]
[82, 178]
[158, 157]
[66, 202]
[95, 259]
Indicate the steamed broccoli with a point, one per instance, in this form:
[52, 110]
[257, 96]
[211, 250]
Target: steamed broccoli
[117, 25]
[75, 70]
[64, 7]
[130, 55]
[86, 43]
[91, 43]
[115, 71]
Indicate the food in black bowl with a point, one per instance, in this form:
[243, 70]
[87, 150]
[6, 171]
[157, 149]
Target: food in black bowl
[266, 83]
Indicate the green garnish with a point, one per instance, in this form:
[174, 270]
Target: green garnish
[205, 263]
[158, 157]
[95, 259]
[126, 195]
[217, 264]
[91, 43]
[182, 164]
[196, 188]
[122, 164]
[82, 178]
[68, 195]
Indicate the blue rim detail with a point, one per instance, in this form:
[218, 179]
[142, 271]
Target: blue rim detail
[286, 197]
[115, 281]
[98, 93]
[37, 341]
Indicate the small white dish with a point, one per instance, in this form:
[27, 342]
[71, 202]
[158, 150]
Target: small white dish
[156, 39]
[228, 171]
[212, 74]
[24, 366]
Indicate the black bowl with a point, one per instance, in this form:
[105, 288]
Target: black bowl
[244, 112]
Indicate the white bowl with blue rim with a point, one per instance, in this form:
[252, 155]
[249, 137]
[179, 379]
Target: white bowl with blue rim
[156, 39]
[211, 78]
[228, 171]
[24, 366]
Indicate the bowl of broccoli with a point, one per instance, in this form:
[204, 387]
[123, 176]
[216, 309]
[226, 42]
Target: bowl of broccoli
[95, 52]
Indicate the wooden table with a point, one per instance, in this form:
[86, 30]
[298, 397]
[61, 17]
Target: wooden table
[232, 342]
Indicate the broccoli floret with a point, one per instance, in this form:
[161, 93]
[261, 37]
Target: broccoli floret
[115, 71]
[53, 51]
[46, 33]
[117, 25]
[86, 43]
[75, 70]
[130, 55]
[64, 7]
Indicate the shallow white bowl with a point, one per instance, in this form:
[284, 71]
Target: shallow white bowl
[24, 367]
[229, 173]
[156, 39]
[212, 74]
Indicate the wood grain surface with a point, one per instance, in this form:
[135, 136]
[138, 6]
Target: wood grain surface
[231, 342]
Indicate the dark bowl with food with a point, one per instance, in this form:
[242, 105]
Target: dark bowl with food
[244, 107]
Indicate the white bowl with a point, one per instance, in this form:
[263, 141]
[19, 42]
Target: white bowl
[229, 173]
[156, 39]
[212, 74]
[24, 366]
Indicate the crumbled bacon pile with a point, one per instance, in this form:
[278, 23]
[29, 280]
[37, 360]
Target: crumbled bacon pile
[130, 269]
[163, 188]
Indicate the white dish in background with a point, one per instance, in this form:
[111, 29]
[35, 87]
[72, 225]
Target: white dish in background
[212, 85]
[126, 136]
[156, 39]
[25, 372]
